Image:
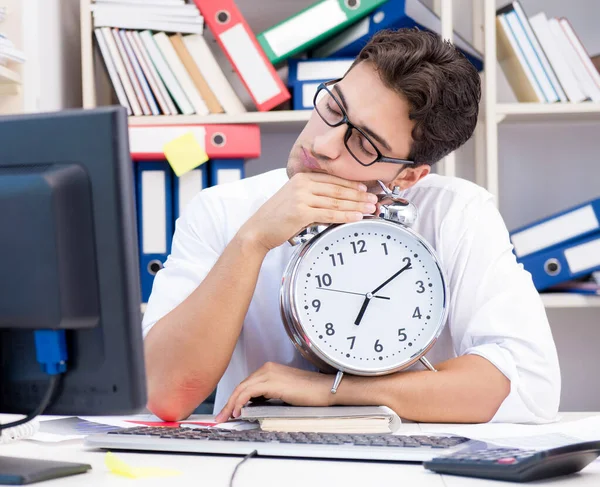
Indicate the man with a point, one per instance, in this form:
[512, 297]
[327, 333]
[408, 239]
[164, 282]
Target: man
[213, 316]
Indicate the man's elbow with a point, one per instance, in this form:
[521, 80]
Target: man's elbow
[177, 403]
[490, 398]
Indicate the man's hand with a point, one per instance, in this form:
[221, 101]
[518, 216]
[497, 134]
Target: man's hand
[306, 199]
[274, 381]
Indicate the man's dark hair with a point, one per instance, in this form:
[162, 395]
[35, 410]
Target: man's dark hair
[441, 86]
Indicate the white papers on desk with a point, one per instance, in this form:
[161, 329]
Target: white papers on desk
[535, 437]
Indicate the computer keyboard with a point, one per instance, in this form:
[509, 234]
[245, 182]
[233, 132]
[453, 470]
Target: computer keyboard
[314, 445]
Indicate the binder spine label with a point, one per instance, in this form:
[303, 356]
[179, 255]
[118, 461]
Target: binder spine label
[250, 64]
[309, 24]
[154, 217]
[552, 232]
[583, 257]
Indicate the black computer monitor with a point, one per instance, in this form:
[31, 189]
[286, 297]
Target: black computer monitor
[68, 244]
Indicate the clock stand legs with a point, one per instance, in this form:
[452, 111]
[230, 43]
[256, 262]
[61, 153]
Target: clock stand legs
[427, 364]
[340, 374]
[336, 382]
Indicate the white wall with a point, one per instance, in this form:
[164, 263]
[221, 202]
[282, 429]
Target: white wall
[52, 74]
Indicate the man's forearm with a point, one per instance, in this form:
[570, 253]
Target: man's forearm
[188, 350]
[466, 389]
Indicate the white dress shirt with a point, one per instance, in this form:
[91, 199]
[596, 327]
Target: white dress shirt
[494, 309]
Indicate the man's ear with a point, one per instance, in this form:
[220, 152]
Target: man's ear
[410, 176]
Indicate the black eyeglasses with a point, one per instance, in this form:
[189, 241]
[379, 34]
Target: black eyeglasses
[359, 145]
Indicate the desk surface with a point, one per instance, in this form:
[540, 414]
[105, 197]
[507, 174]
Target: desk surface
[216, 470]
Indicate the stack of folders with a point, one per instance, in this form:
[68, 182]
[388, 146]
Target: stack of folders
[339, 33]
[543, 59]
[562, 251]
[329, 419]
[162, 196]
[160, 63]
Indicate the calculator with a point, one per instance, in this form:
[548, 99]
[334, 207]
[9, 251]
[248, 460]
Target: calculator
[517, 465]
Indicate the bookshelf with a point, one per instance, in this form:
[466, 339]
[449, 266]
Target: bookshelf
[493, 113]
[547, 112]
[11, 76]
[568, 300]
[277, 119]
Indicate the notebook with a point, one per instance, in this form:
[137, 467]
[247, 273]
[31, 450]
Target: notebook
[328, 419]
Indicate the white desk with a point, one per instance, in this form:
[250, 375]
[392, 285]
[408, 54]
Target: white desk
[215, 471]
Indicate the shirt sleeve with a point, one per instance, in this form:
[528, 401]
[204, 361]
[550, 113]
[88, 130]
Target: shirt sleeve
[496, 312]
[197, 244]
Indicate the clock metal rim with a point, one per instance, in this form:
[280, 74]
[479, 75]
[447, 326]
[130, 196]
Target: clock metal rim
[292, 323]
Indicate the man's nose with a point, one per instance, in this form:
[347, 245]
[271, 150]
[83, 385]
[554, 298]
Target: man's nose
[330, 143]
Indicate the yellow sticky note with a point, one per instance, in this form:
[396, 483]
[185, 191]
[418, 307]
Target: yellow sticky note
[184, 153]
[119, 467]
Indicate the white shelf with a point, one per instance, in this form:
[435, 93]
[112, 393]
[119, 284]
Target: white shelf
[547, 112]
[270, 121]
[569, 300]
[9, 76]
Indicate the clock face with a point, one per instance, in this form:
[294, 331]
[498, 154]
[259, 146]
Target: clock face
[369, 296]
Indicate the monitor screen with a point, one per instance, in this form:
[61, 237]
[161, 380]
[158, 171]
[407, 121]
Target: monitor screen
[68, 241]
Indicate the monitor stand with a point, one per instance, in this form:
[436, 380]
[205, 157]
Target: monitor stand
[19, 471]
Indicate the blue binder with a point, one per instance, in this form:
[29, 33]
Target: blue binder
[225, 170]
[557, 229]
[563, 263]
[393, 14]
[303, 94]
[186, 186]
[304, 70]
[155, 219]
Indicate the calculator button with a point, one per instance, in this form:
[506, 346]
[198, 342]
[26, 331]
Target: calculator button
[507, 461]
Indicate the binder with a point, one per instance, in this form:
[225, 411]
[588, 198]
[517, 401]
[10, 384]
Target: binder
[218, 141]
[179, 71]
[222, 171]
[186, 186]
[529, 55]
[539, 24]
[539, 51]
[312, 26]
[112, 71]
[137, 88]
[137, 69]
[194, 71]
[305, 76]
[122, 72]
[300, 70]
[237, 41]
[563, 263]
[573, 223]
[514, 64]
[303, 94]
[393, 14]
[166, 74]
[151, 75]
[217, 82]
[155, 219]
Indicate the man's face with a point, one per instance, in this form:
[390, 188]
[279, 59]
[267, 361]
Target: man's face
[370, 104]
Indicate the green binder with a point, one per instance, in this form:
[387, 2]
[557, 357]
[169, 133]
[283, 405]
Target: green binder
[311, 26]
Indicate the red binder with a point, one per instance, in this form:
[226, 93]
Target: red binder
[244, 52]
[219, 141]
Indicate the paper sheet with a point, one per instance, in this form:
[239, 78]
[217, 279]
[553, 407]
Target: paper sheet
[525, 435]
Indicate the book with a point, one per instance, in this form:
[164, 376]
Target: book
[328, 419]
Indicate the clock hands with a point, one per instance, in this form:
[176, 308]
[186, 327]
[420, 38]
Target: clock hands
[349, 292]
[385, 283]
[370, 295]
[363, 308]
